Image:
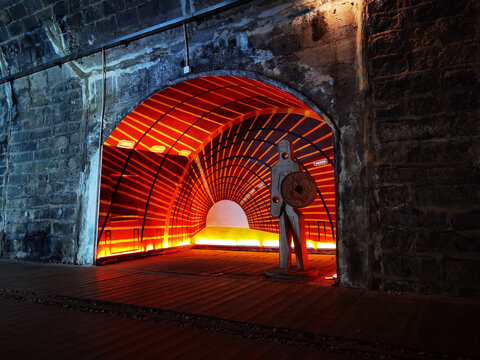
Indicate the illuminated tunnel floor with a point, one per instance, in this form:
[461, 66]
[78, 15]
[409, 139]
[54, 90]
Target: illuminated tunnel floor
[217, 263]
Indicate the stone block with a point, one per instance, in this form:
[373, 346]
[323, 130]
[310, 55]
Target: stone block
[45, 15]
[438, 152]
[37, 245]
[112, 7]
[107, 27]
[5, 18]
[63, 228]
[17, 11]
[462, 99]
[403, 286]
[463, 78]
[410, 129]
[464, 125]
[23, 146]
[133, 3]
[49, 2]
[63, 199]
[422, 36]
[376, 6]
[427, 104]
[17, 203]
[446, 8]
[77, 5]
[398, 266]
[63, 213]
[444, 242]
[466, 290]
[92, 13]
[21, 157]
[388, 43]
[378, 23]
[462, 270]
[4, 35]
[426, 241]
[393, 196]
[389, 64]
[39, 201]
[202, 4]
[468, 220]
[446, 196]
[430, 269]
[410, 218]
[283, 43]
[41, 214]
[15, 28]
[397, 240]
[31, 23]
[150, 13]
[32, 6]
[40, 133]
[441, 174]
[405, 84]
[456, 29]
[390, 110]
[127, 18]
[60, 9]
[15, 192]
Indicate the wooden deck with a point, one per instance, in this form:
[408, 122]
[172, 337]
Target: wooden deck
[215, 304]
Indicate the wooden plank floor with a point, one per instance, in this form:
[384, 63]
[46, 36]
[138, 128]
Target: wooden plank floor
[217, 304]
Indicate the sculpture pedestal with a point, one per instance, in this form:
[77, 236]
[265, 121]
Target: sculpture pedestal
[293, 274]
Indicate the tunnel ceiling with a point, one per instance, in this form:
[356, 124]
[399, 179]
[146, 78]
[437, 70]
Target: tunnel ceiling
[199, 142]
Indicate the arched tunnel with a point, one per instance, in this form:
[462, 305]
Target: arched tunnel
[196, 143]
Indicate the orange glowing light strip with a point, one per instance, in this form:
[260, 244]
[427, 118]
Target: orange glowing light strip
[266, 90]
[184, 121]
[152, 136]
[156, 130]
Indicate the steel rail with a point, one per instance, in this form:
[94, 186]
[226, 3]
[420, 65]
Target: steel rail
[123, 40]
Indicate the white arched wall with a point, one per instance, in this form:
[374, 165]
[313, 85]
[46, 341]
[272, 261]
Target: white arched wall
[227, 213]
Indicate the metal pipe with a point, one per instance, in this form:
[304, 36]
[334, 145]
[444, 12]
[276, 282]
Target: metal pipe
[187, 55]
[100, 154]
[211, 10]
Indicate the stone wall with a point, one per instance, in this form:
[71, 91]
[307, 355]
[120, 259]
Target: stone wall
[398, 81]
[423, 59]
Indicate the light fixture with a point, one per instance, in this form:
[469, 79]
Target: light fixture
[126, 144]
[184, 152]
[158, 148]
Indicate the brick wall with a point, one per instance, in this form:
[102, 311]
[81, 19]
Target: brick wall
[424, 63]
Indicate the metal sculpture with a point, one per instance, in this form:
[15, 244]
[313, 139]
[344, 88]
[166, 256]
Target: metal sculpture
[290, 189]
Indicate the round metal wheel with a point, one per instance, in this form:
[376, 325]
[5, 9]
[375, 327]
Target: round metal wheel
[298, 189]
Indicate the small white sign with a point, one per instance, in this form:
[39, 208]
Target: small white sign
[320, 162]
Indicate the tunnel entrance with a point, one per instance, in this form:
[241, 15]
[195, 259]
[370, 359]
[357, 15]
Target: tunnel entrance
[200, 142]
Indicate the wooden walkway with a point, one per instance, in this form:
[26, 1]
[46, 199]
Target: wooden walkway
[215, 304]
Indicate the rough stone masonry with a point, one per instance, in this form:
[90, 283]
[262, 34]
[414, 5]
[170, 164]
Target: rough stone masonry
[397, 79]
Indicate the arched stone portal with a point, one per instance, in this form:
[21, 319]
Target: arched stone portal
[201, 141]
